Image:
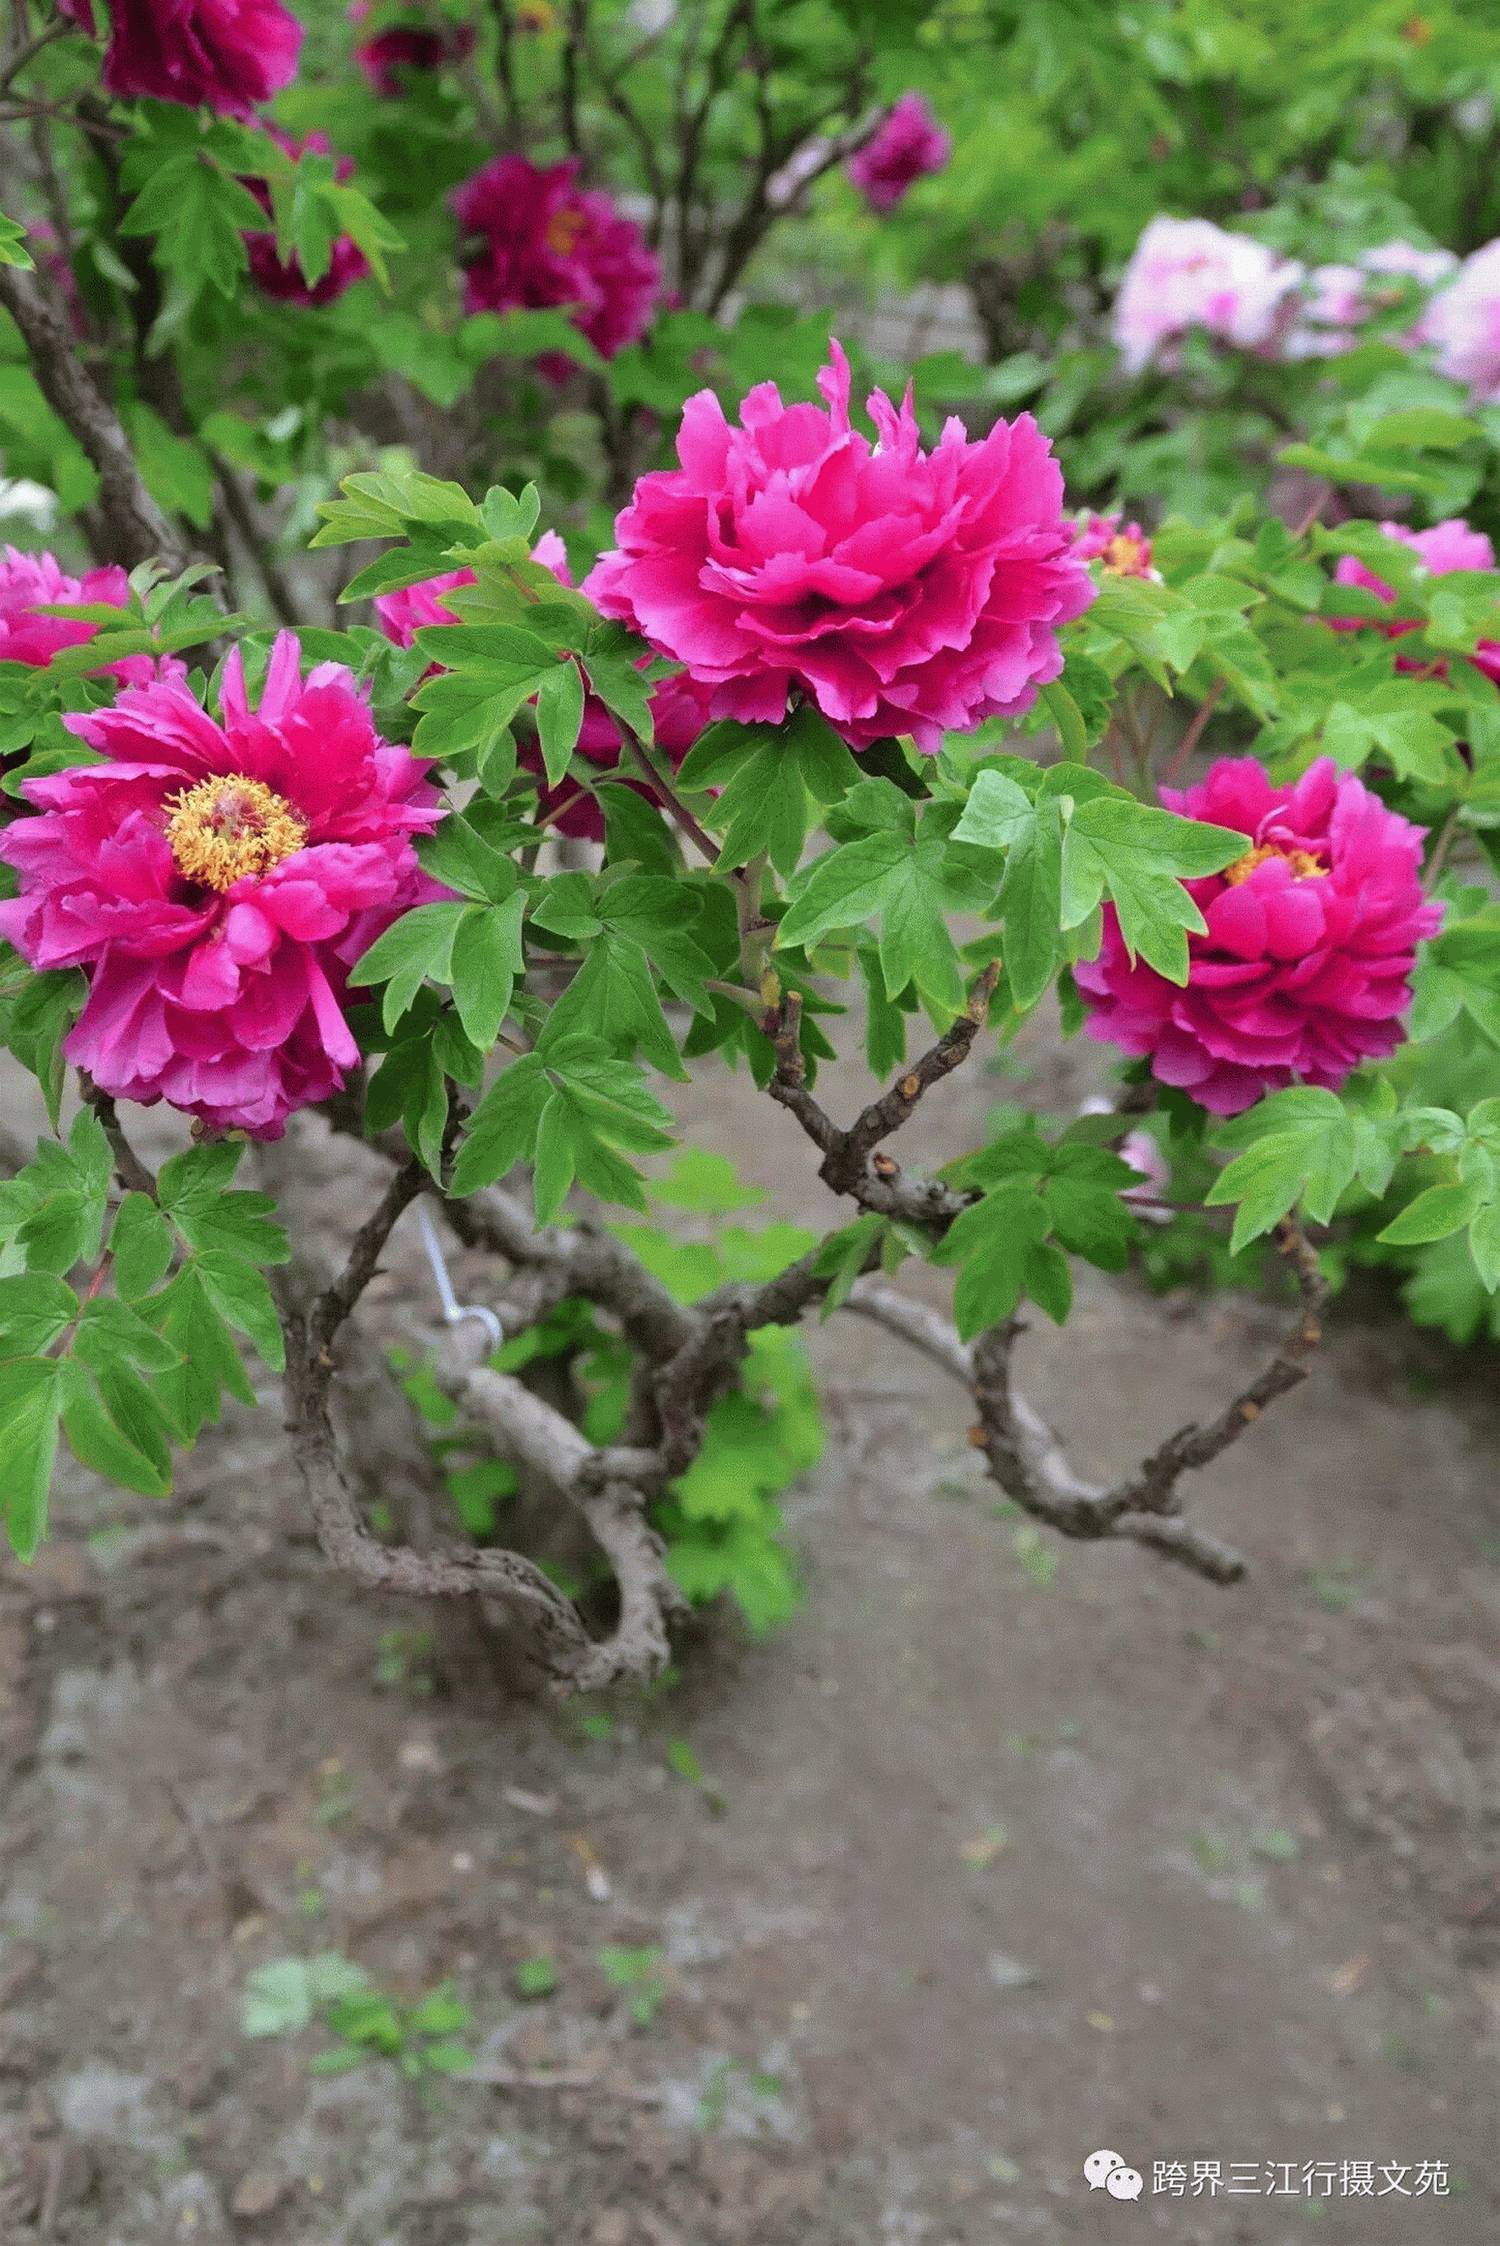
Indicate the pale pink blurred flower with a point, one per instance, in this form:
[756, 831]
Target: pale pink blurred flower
[1463, 325]
[1187, 273]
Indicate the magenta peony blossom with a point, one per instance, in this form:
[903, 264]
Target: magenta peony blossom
[29, 582]
[402, 614]
[1446, 547]
[901, 591]
[909, 145]
[1463, 324]
[540, 240]
[1121, 549]
[679, 706]
[1188, 273]
[230, 54]
[1304, 971]
[415, 46]
[286, 281]
[216, 882]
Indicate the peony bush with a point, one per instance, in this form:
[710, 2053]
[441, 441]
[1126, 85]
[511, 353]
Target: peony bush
[470, 668]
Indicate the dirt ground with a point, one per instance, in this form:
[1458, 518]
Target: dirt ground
[1004, 1850]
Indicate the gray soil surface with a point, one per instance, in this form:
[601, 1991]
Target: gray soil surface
[1007, 1850]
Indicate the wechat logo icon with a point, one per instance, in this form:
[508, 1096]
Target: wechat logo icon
[1107, 2171]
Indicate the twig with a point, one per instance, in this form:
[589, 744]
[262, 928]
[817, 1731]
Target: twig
[1315, 507]
[1029, 1465]
[242, 514]
[129, 1168]
[137, 528]
[30, 51]
[337, 1300]
[1194, 734]
[1152, 1486]
[1440, 849]
[702, 842]
[847, 1165]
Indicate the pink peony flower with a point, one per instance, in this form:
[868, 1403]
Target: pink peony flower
[541, 240]
[29, 582]
[679, 706]
[230, 54]
[402, 614]
[286, 281]
[418, 47]
[901, 591]
[1407, 261]
[1463, 324]
[1338, 300]
[1335, 303]
[908, 146]
[1121, 549]
[1188, 273]
[1304, 971]
[216, 881]
[1446, 547]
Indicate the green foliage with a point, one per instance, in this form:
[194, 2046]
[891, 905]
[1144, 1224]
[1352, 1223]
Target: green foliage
[1036, 1204]
[1070, 840]
[287, 1995]
[635, 1972]
[13, 250]
[130, 1362]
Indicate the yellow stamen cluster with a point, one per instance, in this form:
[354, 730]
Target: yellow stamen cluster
[230, 826]
[1304, 865]
[564, 229]
[1124, 556]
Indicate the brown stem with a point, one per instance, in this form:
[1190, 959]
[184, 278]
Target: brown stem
[129, 1168]
[1194, 734]
[136, 527]
[336, 1301]
[256, 542]
[702, 842]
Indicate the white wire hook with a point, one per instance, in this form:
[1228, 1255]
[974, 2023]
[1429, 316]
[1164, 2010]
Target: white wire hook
[454, 1311]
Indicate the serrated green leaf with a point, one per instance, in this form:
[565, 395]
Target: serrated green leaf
[487, 958]
[414, 949]
[559, 717]
[140, 1245]
[30, 1394]
[1434, 1213]
[35, 1307]
[242, 1298]
[1298, 1144]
